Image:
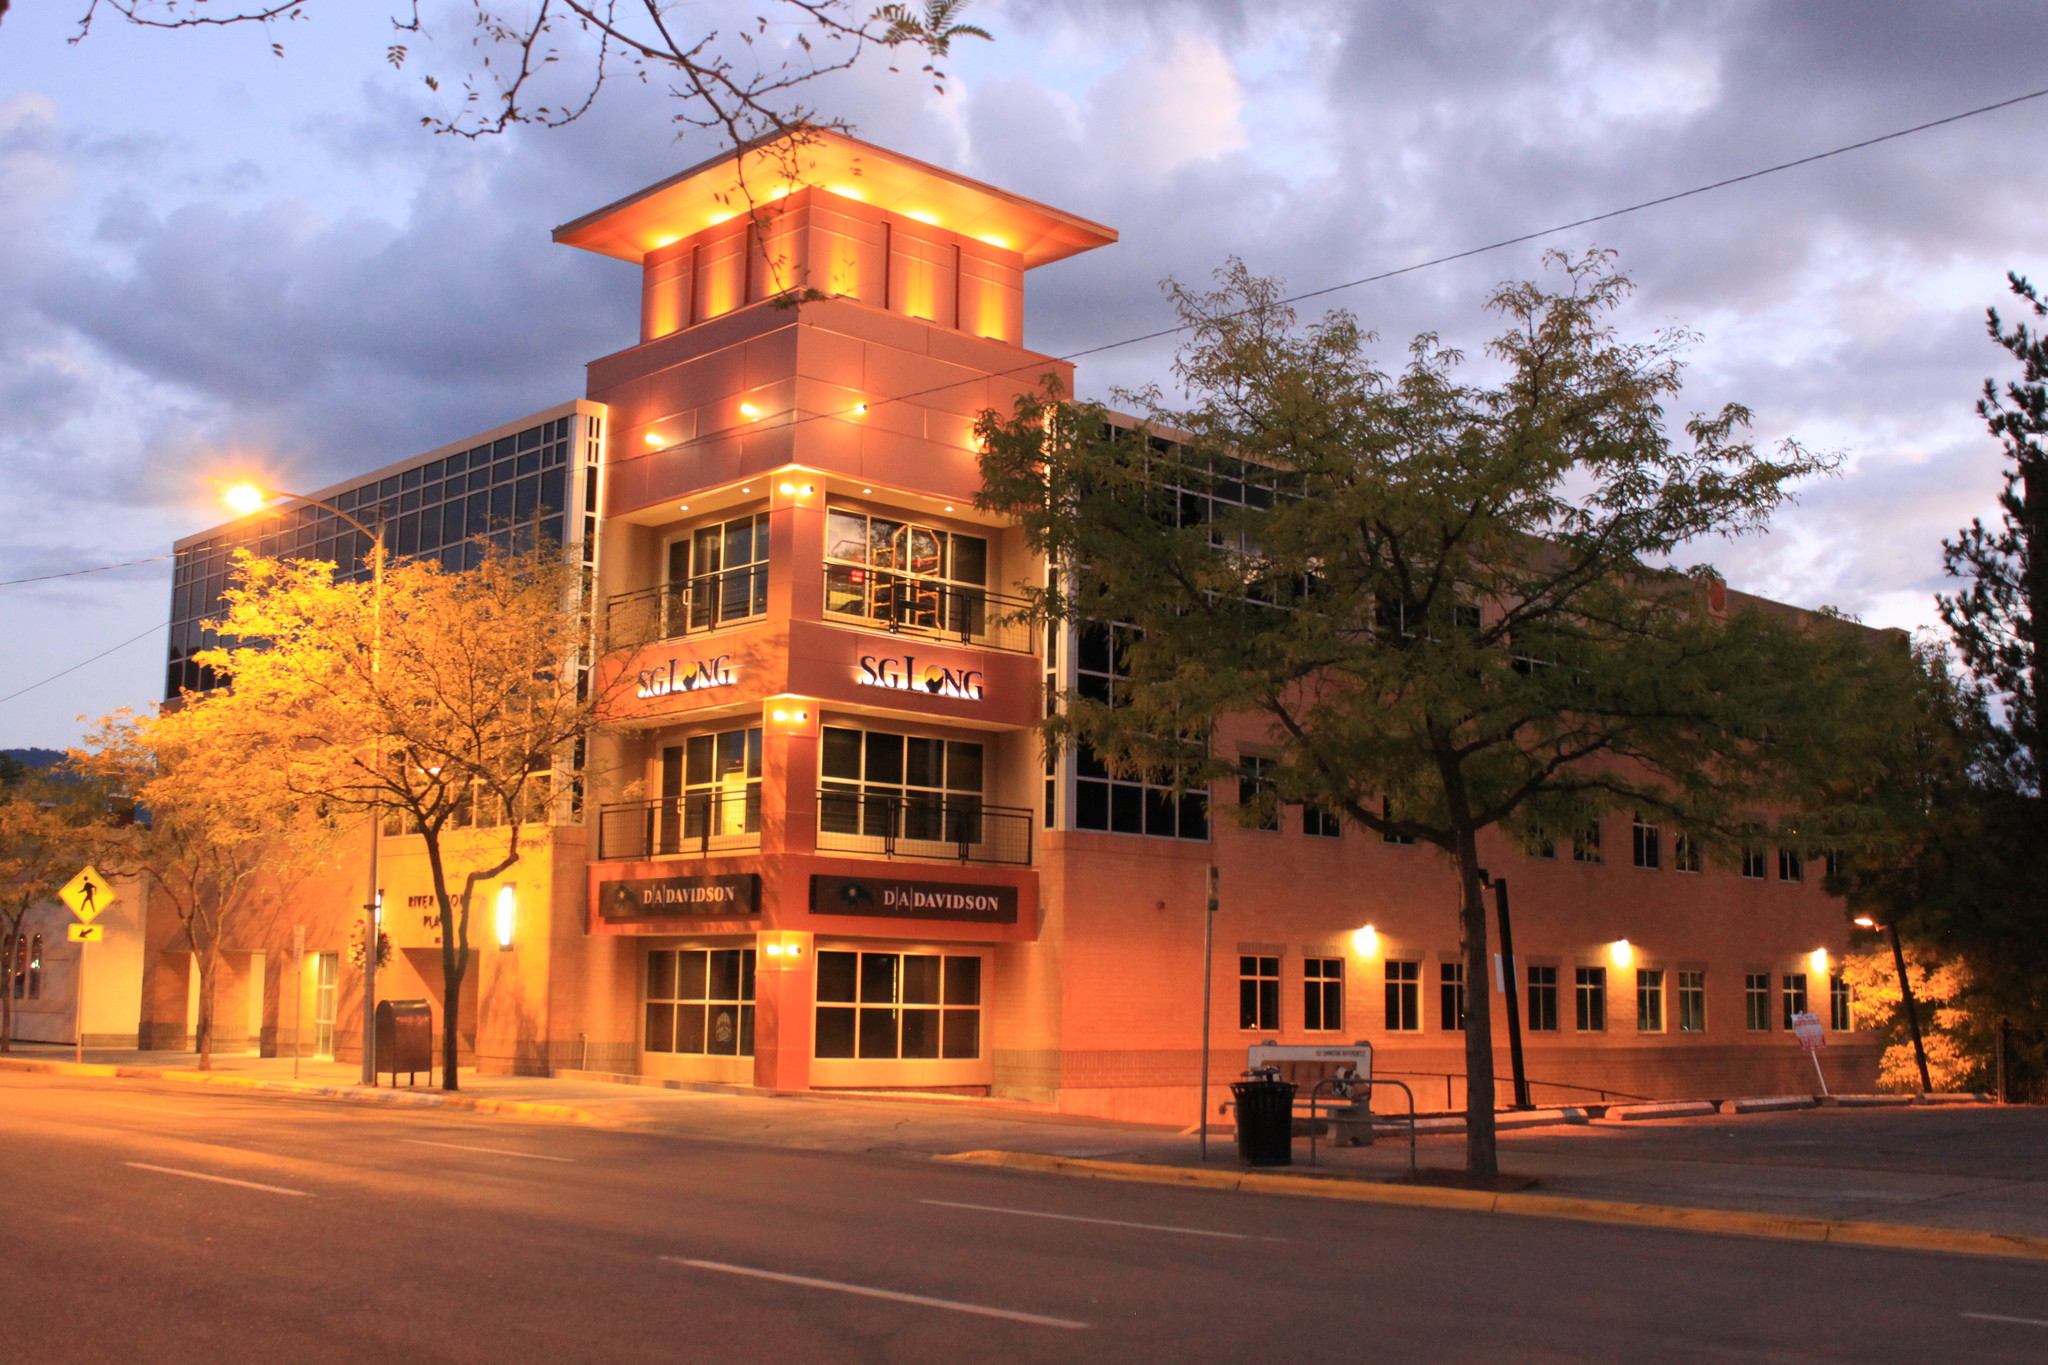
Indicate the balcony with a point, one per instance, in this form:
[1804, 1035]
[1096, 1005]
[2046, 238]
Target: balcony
[936, 826]
[927, 608]
[695, 825]
[668, 611]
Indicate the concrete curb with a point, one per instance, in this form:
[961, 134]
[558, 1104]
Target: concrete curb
[352, 1094]
[1767, 1104]
[1729, 1222]
[1669, 1109]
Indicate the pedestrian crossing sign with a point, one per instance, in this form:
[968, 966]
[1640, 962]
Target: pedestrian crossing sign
[87, 894]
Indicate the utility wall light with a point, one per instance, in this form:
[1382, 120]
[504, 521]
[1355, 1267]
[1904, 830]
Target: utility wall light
[508, 915]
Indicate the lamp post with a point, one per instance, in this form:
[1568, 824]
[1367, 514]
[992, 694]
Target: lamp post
[249, 499]
[1906, 995]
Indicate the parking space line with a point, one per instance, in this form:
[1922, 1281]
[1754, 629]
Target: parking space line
[2000, 1317]
[222, 1180]
[494, 1151]
[1076, 1218]
[868, 1291]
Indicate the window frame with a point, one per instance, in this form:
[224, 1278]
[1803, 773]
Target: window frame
[1322, 994]
[1650, 1016]
[1258, 992]
[1403, 978]
[1589, 999]
[1692, 1000]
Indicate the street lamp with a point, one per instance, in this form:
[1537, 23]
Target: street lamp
[1906, 993]
[248, 499]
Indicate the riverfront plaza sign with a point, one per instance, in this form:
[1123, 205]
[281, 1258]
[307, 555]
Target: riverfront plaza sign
[903, 673]
[894, 898]
[732, 895]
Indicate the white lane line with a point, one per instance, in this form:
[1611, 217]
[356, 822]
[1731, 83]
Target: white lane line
[2000, 1317]
[222, 1180]
[1076, 1218]
[494, 1151]
[1037, 1320]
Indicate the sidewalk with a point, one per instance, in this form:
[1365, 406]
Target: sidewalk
[1979, 1169]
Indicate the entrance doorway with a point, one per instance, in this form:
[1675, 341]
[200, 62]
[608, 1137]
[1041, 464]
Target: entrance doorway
[326, 972]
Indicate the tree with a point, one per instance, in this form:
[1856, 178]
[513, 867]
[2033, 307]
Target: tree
[535, 64]
[1956, 1043]
[44, 841]
[221, 833]
[448, 708]
[1433, 599]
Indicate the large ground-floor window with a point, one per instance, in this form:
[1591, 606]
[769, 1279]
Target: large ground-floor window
[898, 1006]
[701, 1001]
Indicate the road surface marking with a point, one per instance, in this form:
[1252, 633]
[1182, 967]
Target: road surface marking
[868, 1292]
[221, 1179]
[494, 1151]
[1076, 1218]
[2000, 1317]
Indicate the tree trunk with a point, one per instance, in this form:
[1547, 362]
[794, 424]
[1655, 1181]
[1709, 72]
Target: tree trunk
[207, 962]
[7, 990]
[452, 971]
[1482, 1159]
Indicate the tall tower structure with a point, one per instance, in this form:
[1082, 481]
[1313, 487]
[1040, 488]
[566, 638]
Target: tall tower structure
[818, 809]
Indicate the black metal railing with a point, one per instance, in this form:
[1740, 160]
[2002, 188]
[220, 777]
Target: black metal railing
[944, 827]
[667, 611]
[905, 604]
[695, 823]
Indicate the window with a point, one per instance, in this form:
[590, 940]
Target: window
[1543, 1000]
[898, 1006]
[21, 966]
[1649, 844]
[1791, 866]
[701, 1001]
[1685, 854]
[711, 791]
[718, 574]
[905, 575]
[1321, 824]
[1123, 805]
[1649, 1000]
[1258, 993]
[1586, 847]
[1255, 784]
[878, 785]
[1756, 1000]
[1753, 862]
[1543, 847]
[1404, 996]
[1692, 1002]
[1831, 863]
[1591, 998]
[1322, 995]
[1450, 988]
[1839, 1018]
[1795, 996]
[1387, 813]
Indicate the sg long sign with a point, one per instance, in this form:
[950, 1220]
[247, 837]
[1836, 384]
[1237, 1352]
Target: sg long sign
[903, 673]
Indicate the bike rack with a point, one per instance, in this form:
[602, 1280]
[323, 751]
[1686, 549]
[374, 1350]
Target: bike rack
[1341, 1086]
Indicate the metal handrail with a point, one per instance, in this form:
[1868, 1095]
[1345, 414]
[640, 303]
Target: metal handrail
[708, 602]
[930, 608]
[1340, 1085]
[942, 826]
[1449, 1076]
[694, 824]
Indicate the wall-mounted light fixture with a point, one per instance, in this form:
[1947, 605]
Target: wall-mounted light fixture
[860, 409]
[1622, 953]
[652, 438]
[508, 915]
[750, 412]
[1366, 941]
[1818, 960]
[791, 490]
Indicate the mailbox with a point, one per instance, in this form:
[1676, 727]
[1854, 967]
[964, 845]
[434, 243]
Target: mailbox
[405, 1039]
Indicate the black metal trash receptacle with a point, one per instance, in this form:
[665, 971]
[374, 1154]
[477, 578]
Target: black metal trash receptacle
[405, 1038]
[1265, 1122]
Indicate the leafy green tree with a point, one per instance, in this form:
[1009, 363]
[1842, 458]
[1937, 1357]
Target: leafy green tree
[45, 838]
[1440, 603]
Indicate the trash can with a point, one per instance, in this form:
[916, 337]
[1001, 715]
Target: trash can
[1265, 1122]
[405, 1039]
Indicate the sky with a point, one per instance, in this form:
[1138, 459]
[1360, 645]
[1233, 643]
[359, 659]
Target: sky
[216, 259]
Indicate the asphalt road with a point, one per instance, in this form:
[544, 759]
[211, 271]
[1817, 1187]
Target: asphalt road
[150, 1224]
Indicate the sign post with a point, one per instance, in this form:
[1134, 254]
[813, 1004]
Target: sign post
[1813, 1038]
[1208, 995]
[87, 895]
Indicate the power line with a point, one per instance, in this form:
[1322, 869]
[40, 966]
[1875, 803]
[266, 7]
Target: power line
[1406, 269]
[83, 662]
[73, 573]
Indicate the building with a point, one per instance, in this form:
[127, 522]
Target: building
[822, 847]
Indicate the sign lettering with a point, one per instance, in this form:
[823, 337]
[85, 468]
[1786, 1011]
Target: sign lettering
[888, 898]
[686, 676]
[727, 896]
[903, 673]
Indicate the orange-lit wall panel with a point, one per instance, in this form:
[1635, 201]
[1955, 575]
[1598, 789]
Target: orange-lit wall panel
[665, 291]
[721, 275]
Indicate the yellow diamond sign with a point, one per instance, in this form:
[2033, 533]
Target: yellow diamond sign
[87, 894]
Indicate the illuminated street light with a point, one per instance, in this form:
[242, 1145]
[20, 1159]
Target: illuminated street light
[247, 498]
